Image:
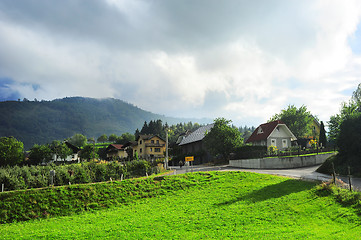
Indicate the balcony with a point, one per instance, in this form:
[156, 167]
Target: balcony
[154, 145]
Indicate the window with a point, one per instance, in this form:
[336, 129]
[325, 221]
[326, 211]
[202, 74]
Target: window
[140, 150]
[284, 143]
[151, 149]
[156, 149]
[157, 141]
[152, 141]
[260, 131]
[140, 142]
[273, 142]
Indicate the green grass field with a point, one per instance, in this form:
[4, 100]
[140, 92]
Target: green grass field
[219, 205]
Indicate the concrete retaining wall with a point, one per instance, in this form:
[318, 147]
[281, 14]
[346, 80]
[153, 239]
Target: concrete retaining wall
[279, 163]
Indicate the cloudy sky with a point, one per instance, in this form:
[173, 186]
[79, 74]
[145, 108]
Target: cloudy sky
[242, 60]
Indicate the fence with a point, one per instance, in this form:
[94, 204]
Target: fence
[299, 152]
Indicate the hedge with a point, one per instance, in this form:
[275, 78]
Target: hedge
[26, 177]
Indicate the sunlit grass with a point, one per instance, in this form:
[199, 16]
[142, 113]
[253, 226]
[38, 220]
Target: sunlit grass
[220, 205]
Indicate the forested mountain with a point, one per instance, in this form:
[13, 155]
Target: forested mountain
[41, 122]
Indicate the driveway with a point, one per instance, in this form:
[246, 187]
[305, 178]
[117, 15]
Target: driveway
[306, 173]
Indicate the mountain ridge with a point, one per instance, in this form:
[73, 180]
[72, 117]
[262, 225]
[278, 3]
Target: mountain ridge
[40, 122]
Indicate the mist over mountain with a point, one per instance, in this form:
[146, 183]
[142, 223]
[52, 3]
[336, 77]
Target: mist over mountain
[40, 122]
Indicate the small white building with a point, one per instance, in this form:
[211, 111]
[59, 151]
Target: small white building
[74, 157]
[274, 133]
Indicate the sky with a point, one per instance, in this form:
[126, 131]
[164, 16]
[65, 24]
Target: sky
[241, 60]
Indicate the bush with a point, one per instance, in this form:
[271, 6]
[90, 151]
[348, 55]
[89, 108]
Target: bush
[249, 152]
[17, 178]
[138, 168]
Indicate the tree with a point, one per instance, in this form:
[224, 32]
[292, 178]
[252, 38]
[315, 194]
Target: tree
[39, 154]
[88, 152]
[112, 137]
[102, 138]
[78, 140]
[125, 137]
[349, 137]
[60, 149]
[323, 139]
[347, 109]
[298, 120]
[11, 151]
[222, 139]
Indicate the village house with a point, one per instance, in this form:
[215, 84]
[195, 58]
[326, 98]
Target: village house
[274, 133]
[116, 151]
[74, 157]
[149, 147]
[192, 144]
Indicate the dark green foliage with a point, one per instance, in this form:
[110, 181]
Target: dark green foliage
[222, 139]
[112, 137]
[157, 128]
[78, 140]
[347, 109]
[42, 122]
[323, 139]
[88, 152]
[138, 167]
[298, 120]
[25, 177]
[102, 138]
[60, 149]
[11, 151]
[249, 152]
[124, 138]
[349, 140]
[40, 154]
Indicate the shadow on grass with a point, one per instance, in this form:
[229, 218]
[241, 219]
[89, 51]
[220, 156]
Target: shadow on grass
[271, 191]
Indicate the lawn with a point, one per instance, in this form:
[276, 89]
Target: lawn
[220, 205]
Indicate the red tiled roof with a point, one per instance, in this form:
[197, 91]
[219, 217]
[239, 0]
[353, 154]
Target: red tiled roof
[267, 129]
[116, 146]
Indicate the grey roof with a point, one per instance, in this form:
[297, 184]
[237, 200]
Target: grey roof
[197, 135]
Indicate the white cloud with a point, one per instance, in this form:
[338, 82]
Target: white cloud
[242, 60]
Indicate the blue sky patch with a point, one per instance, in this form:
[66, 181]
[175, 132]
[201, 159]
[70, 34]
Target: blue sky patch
[355, 40]
[6, 93]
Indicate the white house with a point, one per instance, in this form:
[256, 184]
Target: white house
[274, 133]
[74, 157]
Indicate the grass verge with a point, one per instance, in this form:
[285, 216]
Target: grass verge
[212, 205]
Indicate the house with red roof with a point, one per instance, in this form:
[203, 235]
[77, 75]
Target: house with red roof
[274, 133]
[116, 151]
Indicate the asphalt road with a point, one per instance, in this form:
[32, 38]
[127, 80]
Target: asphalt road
[306, 173]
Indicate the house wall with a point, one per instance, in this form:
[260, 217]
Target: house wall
[72, 157]
[119, 153]
[280, 163]
[279, 135]
[196, 147]
[147, 149]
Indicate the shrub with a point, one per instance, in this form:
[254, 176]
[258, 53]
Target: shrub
[17, 178]
[138, 168]
[249, 152]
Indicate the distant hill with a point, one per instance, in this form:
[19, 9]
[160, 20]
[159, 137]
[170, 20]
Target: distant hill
[42, 122]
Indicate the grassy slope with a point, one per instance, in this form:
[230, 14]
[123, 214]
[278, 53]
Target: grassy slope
[218, 205]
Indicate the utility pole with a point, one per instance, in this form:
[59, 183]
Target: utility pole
[166, 149]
